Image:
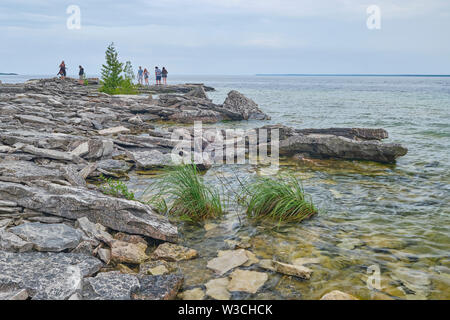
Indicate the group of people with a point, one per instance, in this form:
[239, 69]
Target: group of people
[143, 75]
[62, 72]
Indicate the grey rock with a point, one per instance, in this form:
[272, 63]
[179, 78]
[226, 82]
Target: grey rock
[151, 159]
[110, 286]
[326, 146]
[51, 154]
[94, 230]
[75, 202]
[120, 286]
[28, 171]
[117, 166]
[73, 176]
[10, 210]
[243, 107]
[11, 242]
[162, 287]
[197, 92]
[46, 219]
[4, 203]
[48, 237]
[12, 292]
[84, 247]
[46, 276]
[104, 255]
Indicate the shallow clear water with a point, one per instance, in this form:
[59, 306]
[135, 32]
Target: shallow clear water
[395, 217]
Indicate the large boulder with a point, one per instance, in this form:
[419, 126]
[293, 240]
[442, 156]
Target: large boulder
[77, 202]
[197, 92]
[332, 146]
[242, 107]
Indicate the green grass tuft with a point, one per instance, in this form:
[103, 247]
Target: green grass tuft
[188, 196]
[280, 199]
[116, 188]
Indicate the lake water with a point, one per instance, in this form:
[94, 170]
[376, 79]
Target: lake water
[392, 217]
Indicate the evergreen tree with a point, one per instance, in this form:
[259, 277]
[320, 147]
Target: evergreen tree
[128, 71]
[111, 71]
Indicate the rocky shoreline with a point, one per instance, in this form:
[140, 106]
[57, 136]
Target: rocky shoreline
[62, 238]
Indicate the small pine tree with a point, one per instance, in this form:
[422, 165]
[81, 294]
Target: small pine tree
[111, 71]
[128, 71]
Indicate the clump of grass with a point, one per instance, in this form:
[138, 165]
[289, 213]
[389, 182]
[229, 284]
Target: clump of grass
[188, 196]
[116, 188]
[280, 199]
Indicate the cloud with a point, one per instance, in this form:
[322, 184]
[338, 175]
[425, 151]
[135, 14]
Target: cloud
[220, 35]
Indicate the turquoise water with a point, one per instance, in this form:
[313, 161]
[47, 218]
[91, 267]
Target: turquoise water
[393, 216]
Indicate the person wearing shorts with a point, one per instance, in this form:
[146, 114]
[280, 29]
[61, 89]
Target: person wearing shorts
[140, 75]
[158, 75]
[146, 76]
[164, 75]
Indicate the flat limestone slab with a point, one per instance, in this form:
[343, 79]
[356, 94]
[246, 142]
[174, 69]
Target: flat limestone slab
[77, 202]
[217, 289]
[46, 275]
[228, 260]
[114, 130]
[48, 237]
[119, 286]
[247, 281]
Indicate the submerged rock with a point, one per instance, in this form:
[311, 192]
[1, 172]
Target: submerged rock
[217, 289]
[228, 260]
[292, 270]
[337, 295]
[247, 281]
[157, 267]
[192, 294]
[46, 276]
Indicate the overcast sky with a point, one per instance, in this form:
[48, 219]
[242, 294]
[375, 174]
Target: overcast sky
[228, 36]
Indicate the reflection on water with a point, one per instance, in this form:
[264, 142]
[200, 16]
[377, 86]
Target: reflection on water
[393, 216]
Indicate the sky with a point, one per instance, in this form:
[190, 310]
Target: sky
[229, 37]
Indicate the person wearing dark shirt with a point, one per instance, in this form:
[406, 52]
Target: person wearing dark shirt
[81, 75]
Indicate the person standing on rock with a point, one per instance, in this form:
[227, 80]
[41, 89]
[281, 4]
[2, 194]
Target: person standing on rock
[62, 70]
[146, 74]
[164, 75]
[81, 75]
[158, 75]
[140, 75]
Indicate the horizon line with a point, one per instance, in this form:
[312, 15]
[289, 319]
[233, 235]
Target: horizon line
[353, 74]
